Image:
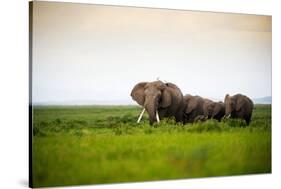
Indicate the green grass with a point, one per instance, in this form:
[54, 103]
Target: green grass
[74, 145]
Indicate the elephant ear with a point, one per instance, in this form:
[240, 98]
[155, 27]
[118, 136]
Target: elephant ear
[166, 98]
[138, 93]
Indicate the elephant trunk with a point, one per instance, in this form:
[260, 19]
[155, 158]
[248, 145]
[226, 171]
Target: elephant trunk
[228, 113]
[151, 108]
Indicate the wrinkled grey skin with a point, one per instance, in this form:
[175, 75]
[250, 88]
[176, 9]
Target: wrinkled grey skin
[214, 110]
[194, 108]
[239, 106]
[167, 98]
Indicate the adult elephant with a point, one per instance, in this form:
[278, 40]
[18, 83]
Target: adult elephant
[159, 99]
[214, 110]
[239, 106]
[194, 108]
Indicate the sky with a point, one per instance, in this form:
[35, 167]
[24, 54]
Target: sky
[85, 54]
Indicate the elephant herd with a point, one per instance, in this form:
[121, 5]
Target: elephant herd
[161, 99]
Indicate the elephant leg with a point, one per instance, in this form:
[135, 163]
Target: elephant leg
[217, 117]
[188, 118]
[248, 120]
[185, 118]
[194, 116]
[179, 117]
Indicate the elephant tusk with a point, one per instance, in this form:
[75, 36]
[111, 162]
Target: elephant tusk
[228, 116]
[141, 115]
[157, 116]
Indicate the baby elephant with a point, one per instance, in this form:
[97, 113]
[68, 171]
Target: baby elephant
[214, 110]
[201, 109]
[239, 106]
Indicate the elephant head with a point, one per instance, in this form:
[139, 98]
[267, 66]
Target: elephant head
[194, 108]
[154, 96]
[208, 108]
[230, 105]
[215, 110]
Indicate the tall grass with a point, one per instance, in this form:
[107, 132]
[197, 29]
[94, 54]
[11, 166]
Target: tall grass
[100, 144]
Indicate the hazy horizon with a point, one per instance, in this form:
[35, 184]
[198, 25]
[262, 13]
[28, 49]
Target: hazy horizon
[98, 53]
[261, 100]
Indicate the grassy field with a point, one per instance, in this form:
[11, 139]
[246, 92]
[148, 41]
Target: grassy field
[103, 144]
